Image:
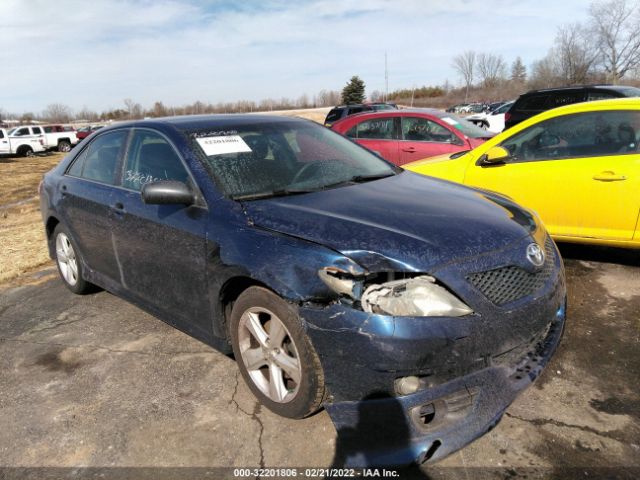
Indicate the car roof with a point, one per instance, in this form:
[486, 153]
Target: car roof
[200, 122]
[615, 88]
[624, 103]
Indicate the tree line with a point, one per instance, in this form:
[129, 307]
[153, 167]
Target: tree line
[61, 113]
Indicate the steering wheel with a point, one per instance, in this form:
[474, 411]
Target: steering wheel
[301, 173]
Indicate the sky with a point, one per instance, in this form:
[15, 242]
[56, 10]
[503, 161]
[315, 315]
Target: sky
[95, 54]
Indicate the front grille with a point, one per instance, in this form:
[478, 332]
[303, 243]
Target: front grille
[506, 284]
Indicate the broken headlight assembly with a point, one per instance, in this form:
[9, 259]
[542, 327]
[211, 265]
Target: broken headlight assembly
[418, 296]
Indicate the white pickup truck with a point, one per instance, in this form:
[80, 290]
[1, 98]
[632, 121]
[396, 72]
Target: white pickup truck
[25, 144]
[59, 138]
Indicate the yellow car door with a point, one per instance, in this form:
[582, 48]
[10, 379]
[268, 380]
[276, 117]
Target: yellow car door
[580, 172]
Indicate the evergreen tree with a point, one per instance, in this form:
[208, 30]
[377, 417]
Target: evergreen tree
[353, 92]
[518, 71]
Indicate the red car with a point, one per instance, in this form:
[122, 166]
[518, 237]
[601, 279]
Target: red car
[403, 136]
[84, 132]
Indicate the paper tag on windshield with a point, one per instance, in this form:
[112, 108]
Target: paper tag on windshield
[223, 144]
[449, 120]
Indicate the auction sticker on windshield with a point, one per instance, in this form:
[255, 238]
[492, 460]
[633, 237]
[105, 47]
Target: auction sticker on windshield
[223, 144]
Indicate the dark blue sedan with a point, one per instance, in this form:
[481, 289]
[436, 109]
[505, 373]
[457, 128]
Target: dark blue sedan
[335, 278]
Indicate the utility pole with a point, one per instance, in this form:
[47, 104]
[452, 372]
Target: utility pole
[386, 79]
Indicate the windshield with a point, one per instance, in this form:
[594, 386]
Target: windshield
[466, 127]
[284, 158]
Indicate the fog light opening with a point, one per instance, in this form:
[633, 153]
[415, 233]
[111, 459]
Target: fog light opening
[432, 451]
[427, 413]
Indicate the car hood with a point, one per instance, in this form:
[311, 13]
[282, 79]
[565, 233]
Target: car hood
[406, 222]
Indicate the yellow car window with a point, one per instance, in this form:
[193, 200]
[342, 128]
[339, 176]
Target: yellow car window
[589, 134]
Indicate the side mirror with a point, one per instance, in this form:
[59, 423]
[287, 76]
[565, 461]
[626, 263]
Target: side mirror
[167, 192]
[495, 156]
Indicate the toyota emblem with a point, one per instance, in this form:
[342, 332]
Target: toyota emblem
[535, 255]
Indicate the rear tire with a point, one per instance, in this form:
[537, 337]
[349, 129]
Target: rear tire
[64, 146]
[68, 260]
[274, 354]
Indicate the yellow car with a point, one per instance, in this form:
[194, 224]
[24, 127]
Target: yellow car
[577, 166]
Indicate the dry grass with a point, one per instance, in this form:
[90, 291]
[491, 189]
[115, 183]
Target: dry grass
[21, 230]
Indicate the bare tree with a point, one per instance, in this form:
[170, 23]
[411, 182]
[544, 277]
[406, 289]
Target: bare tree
[159, 110]
[544, 73]
[87, 115]
[134, 110]
[57, 112]
[574, 53]
[615, 26]
[491, 69]
[465, 64]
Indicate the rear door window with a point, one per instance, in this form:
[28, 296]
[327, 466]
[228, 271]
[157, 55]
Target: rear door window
[376, 128]
[37, 131]
[151, 158]
[533, 103]
[99, 161]
[566, 98]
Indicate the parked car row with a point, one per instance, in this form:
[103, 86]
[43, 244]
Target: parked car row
[493, 120]
[27, 140]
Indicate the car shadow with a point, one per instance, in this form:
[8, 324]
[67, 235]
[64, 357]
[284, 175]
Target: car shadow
[597, 253]
[380, 427]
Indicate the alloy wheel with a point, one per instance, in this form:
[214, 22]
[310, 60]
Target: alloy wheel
[269, 354]
[67, 260]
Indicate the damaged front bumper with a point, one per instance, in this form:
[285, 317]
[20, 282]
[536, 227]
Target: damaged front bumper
[469, 370]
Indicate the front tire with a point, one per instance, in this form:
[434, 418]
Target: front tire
[26, 151]
[274, 354]
[68, 261]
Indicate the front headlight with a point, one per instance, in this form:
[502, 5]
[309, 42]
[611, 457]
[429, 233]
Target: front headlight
[413, 297]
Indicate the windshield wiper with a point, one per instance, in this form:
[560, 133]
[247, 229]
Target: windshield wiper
[366, 178]
[455, 155]
[281, 192]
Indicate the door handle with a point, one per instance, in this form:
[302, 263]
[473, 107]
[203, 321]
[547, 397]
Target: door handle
[64, 190]
[118, 207]
[609, 176]
[409, 149]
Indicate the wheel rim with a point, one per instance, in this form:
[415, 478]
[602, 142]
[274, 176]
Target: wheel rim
[29, 153]
[64, 147]
[269, 354]
[67, 260]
